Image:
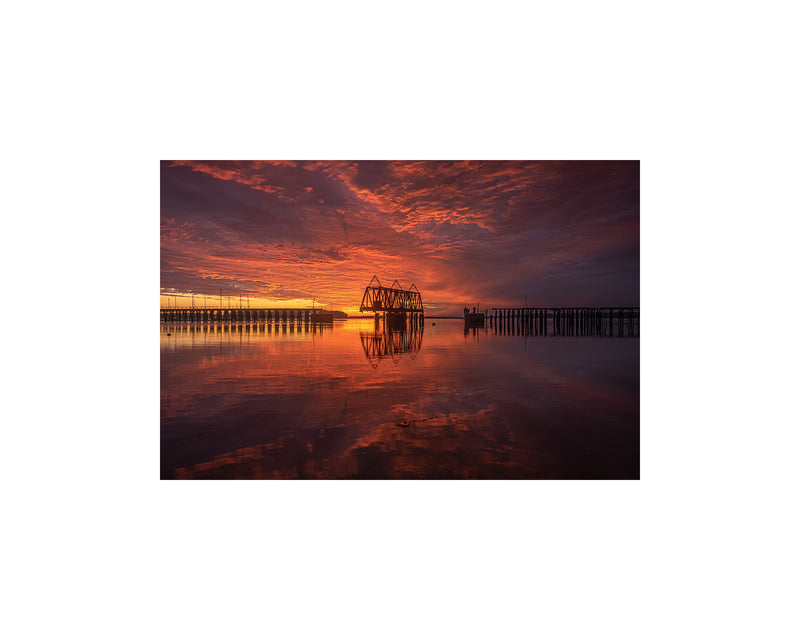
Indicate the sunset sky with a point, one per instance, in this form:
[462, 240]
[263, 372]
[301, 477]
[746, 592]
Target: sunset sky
[289, 233]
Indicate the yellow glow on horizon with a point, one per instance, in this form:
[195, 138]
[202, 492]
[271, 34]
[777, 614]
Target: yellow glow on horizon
[184, 300]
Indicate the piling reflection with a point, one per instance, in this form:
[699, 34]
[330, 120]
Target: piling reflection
[183, 334]
[388, 341]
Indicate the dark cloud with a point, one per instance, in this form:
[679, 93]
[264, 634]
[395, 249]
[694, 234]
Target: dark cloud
[333, 254]
[373, 174]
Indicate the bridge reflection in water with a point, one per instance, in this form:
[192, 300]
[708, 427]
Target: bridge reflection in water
[391, 342]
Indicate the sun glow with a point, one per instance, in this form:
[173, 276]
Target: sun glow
[183, 299]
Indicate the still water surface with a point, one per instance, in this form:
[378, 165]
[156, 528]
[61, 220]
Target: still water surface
[353, 401]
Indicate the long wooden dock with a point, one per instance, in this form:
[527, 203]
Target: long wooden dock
[215, 314]
[566, 321]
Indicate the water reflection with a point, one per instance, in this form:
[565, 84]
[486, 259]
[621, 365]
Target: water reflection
[193, 336]
[255, 401]
[238, 328]
[388, 342]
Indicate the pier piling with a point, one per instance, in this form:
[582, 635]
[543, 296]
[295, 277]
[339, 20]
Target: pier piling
[566, 321]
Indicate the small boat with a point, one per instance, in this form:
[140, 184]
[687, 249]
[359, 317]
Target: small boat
[318, 315]
[473, 318]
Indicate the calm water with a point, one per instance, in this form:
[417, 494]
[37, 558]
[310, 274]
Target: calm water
[347, 401]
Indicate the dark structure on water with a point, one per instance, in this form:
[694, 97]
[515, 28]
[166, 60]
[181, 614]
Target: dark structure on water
[206, 314]
[474, 319]
[567, 321]
[395, 303]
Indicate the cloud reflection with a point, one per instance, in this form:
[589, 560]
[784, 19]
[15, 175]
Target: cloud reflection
[258, 404]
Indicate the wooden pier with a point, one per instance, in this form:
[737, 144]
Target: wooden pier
[566, 321]
[269, 316]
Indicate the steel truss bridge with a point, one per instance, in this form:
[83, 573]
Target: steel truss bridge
[393, 300]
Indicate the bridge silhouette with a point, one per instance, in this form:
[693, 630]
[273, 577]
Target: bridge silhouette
[395, 303]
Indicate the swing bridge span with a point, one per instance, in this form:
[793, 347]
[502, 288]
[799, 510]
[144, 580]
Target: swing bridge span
[393, 304]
